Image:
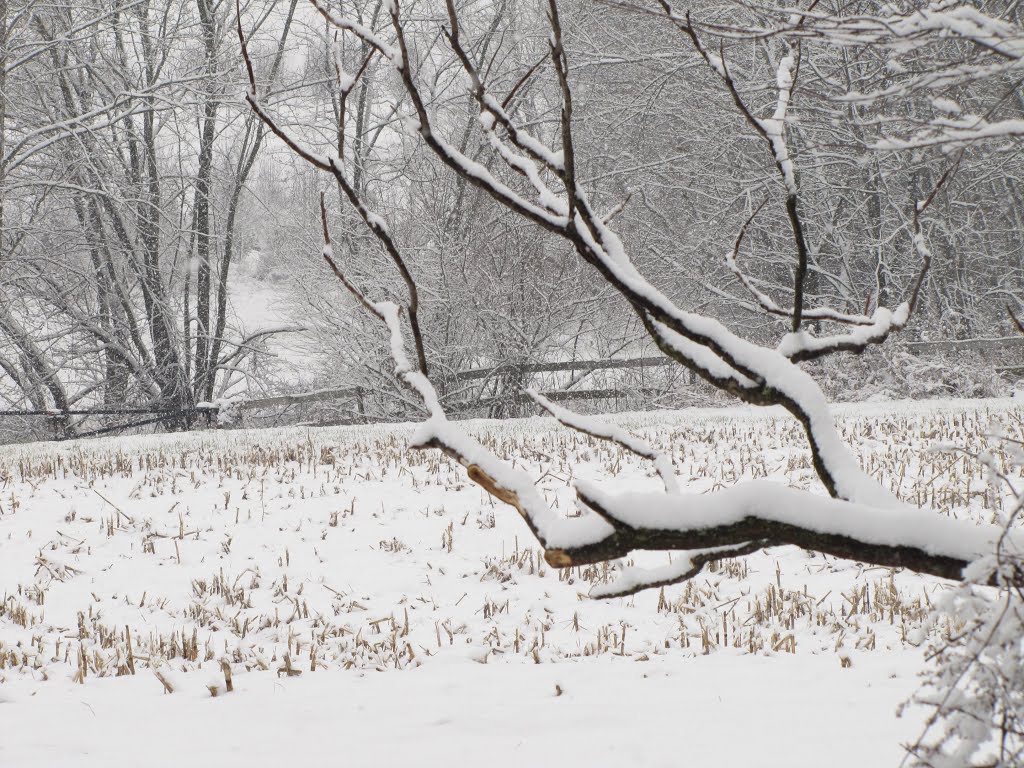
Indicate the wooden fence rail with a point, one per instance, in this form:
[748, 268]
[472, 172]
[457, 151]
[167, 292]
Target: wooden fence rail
[1003, 344]
[1009, 349]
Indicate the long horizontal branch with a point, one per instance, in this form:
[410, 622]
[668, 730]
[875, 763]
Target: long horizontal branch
[766, 511]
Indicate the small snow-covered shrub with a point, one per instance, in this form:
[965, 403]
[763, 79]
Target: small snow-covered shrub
[892, 373]
[975, 684]
[975, 687]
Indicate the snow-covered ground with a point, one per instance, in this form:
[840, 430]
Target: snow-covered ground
[374, 607]
[722, 709]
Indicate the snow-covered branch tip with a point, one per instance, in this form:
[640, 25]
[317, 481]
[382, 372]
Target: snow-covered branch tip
[684, 566]
[766, 302]
[800, 345]
[603, 430]
[773, 131]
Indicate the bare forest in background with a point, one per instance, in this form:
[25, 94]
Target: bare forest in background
[143, 204]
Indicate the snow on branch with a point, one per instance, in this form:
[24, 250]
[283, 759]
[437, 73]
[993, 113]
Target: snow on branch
[861, 521]
[775, 126]
[491, 111]
[765, 511]
[758, 375]
[773, 131]
[767, 303]
[335, 166]
[361, 31]
[940, 18]
[602, 430]
[956, 132]
[977, 46]
[802, 345]
[684, 566]
[512, 486]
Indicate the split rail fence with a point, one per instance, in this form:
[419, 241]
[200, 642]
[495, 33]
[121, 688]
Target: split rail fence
[1009, 352]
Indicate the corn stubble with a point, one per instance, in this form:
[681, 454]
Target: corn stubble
[235, 551]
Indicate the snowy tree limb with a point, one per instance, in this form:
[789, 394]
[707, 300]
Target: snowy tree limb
[602, 430]
[861, 521]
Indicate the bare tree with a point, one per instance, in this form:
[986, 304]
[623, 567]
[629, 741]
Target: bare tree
[119, 148]
[539, 183]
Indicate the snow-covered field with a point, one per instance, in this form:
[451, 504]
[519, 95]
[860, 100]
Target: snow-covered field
[374, 607]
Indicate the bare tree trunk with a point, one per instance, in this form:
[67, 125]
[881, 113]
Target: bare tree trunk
[39, 366]
[115, 373]
[211, 104]
[174, 389]
[3, 128]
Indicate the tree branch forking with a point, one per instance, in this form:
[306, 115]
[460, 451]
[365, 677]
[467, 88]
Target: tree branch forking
[861, 520]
